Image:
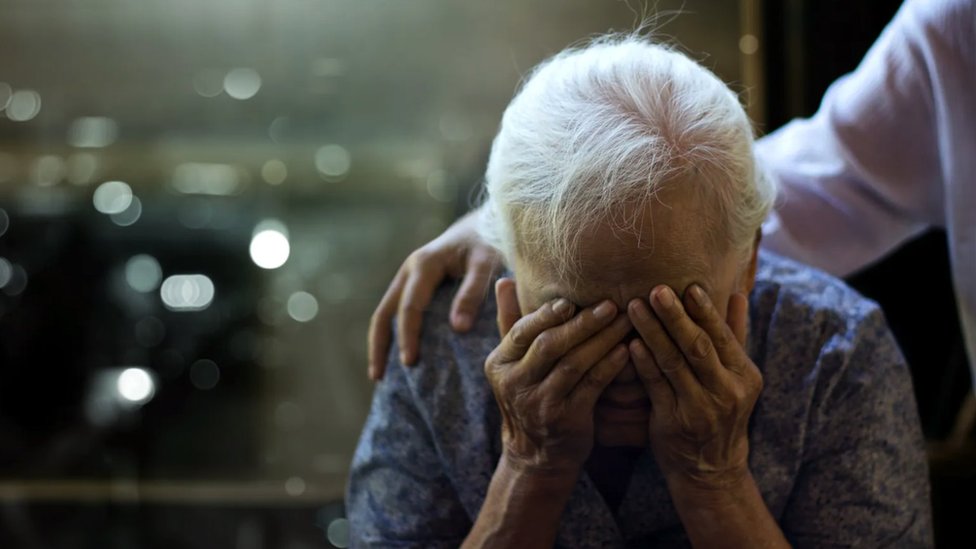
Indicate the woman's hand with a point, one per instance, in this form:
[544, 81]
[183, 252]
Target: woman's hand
[701, 383]
[547, 374]
[458, 252]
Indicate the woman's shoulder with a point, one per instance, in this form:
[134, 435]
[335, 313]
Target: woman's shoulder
[794, 293]
[809, 331]
[807, 324]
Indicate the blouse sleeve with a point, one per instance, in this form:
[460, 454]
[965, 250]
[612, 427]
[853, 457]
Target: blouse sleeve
[398, 493]
[866, 172]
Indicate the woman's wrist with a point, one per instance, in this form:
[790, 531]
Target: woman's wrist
[724, 511]
[712, 485]
[533, 478]
[523, 506]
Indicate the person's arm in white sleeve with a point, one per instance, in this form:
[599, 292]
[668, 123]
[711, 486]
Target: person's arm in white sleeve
[865, 174]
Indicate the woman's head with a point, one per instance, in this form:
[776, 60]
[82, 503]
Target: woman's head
[620, 166]
[599, 134]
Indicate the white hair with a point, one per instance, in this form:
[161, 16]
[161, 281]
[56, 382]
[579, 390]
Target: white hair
[606, 125]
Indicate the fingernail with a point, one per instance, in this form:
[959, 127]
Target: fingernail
[699, 296]
[403, 357]
[561, 306]
[664, 297]
[638, 309]
[637, 348]
[603, 310]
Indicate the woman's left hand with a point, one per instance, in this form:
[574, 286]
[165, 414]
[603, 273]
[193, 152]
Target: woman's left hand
[701, 383]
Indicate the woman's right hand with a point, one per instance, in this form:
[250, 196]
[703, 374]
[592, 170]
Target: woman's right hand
[547, 374]
[456, 253]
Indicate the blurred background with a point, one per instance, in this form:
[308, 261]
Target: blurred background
[201, 203]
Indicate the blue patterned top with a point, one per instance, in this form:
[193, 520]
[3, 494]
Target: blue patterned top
[835, 443]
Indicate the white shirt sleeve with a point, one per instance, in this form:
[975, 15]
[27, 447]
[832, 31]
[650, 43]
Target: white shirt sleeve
[866, 172]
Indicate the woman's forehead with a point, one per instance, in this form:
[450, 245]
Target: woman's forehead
[623, 275]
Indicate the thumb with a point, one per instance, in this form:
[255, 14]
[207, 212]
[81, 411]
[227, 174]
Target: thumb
[508, 306]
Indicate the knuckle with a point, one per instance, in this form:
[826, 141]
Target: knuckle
[723, 340]
[547, 346]
[597, 379]
[740, 394]
[671, 361]
[420, 256]
[569, 368]
[518, 334]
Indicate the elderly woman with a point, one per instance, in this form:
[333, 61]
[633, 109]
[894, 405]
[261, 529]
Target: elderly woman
[622, 389]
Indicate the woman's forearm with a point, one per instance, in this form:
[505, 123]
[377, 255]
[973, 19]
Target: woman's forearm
[522, 509]
[733, 515]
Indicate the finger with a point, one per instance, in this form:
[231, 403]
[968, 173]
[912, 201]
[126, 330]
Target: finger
[526, 330]
[574, 366]
[666, 354]
[380, 330]
[655, 383]
[693, 342]
[722, 333]
[508, 307]
[555, 342]
[422, 280]
[599, 377]
[474, 287]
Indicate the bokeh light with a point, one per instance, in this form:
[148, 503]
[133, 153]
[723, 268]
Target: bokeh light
[270, 249]
[333, 161]
[748, 44]
[209, 82]
[206, 178]
[295, 486]
[143, 273]
[242, 83]
[16, 281]
[112, 197]
[93, 132]
[190, 292]
[302, 306]
[204, 374]
[24, 105]
[129, 215]
[48, 170]
[338, 532]
[6, 272]
[136, 385]
[4, 221]
[274, 172]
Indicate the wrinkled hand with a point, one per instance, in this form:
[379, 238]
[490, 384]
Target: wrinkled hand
[701, 383]
[547, 374]
[456, 253]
